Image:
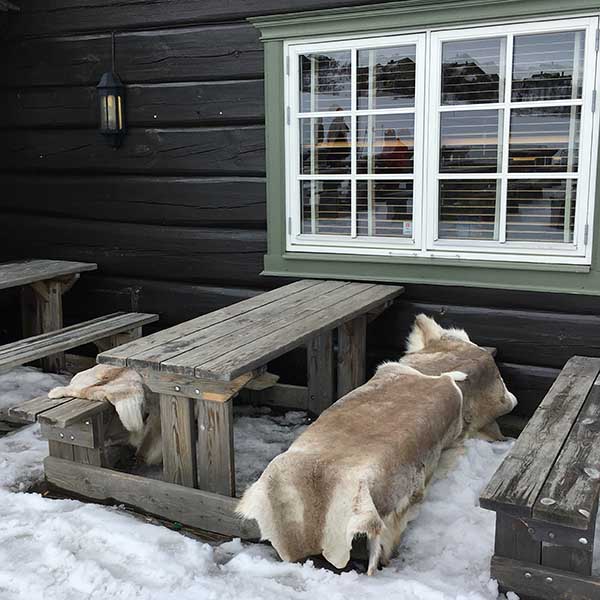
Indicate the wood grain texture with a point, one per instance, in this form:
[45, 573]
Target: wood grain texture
[517, 483]
[148, 105]
[30, 410]
[284, 395]
[351, 355]
[208, 151]
[51, 319]
[512, 540]
[195, 255]
[23, 272]
[189, 506]
[576, 560]
[215, 455]
[574, 481]
[178, 434]
[321, 373]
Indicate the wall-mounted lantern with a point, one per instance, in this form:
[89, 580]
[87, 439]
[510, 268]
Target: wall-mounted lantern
[111, 99]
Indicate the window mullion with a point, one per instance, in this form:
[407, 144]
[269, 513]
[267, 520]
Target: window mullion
[505, 137]
[353, 149]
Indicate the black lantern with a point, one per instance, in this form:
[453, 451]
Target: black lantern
[111, 98]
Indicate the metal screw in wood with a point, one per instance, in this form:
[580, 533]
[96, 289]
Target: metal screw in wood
[197, 391]
[62, 435]
[548, 501]
[177, 388]
[585, 513]
[551, 535]
[72, 437]
[531, 531]
[528, 575]
[583, 541]
[87, 422]
[549, 580]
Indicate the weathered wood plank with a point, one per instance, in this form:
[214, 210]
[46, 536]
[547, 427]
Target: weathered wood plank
[186, 353]
[30, 410]
[121, 355]
[23, 272]
[61, 450]
[284, 395]
[215, 455]
[178, 435]
[51, 319]
[577, 560]
[513, 540]
[191, 254]
[516, 485]
[208, 151]
[266, 348]
[148, 105]
[180, 201]
[77, 410]
[78, 434]
[543, 582]
[321, 373]
[351, 357]
[189, 506]
[574, 481]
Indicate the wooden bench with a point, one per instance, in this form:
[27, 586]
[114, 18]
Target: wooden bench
[545, 493]
[106, 332]
[198, 367]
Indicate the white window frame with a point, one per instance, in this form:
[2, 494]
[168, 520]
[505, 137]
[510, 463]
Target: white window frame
[426, 151]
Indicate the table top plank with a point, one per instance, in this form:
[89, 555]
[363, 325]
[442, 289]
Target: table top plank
[516, 485]
[277, 343]
[220, 333]
[574, 482]
[24, 272]
[121, 355]
[275, 320]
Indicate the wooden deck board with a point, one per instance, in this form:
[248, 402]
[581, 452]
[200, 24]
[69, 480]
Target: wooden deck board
[24, 272]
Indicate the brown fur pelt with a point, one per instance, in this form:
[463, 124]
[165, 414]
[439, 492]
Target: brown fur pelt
[363, 465]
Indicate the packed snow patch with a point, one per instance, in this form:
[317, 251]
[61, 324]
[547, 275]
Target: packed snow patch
[25, 383]
[68, 550]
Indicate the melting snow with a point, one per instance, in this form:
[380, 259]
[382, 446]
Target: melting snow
[67, 550]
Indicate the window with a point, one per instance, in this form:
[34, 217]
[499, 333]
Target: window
[472, 143]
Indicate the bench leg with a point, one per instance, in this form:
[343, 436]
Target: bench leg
[351, 358]
[321, 375]
[177, 427]
[215, 453]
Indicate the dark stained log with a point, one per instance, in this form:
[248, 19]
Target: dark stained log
[154, 105]
[173, 301]
[198, 54]
[218, 52]
[496, 298]
[39, 17]
[171, 253]
[207, 151]
[523, 337]
[186, 201]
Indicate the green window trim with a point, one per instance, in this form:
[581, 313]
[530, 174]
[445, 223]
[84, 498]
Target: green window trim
[394, 17]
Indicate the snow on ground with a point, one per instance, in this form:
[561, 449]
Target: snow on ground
[67, 550]
[24, 383]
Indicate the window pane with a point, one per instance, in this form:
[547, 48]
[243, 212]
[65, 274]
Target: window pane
[541, 210]
[385, 143]
[386, 77]
[470, 141]
[326, 207]
[544, 140]
[472, 71]
[548, 66]
[467, 209]
[325, 145]
[325, 81]
[384, 208]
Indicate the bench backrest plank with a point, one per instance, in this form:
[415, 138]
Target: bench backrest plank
[119, 356]
[517, 483]
[574, 481]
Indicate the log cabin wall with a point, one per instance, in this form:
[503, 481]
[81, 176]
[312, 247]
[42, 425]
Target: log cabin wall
[175, 218]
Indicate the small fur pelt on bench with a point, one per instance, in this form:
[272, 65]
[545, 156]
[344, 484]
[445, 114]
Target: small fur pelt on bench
[125, 390]
[362, 467]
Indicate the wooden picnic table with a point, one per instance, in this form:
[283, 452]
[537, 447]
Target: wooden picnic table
[197, 367]
[43, 284]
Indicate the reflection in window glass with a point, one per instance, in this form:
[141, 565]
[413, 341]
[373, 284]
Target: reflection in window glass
[325, 145]
[325, 81]
[544, 139]
[326, 207]
[385, 143]
[470, 141]
[473, 71]
[467, 209]
[548, 66]
[384, 208]
[386, 77]
[541, 210]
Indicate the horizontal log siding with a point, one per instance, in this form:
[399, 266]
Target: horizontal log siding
[176, 217]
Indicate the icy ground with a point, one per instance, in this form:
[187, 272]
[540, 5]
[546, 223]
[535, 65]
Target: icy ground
[67, 550]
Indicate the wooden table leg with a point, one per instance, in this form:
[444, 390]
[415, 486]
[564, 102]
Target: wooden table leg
[351, 358]
[178, 434]
[215, 453]
[321, 374]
